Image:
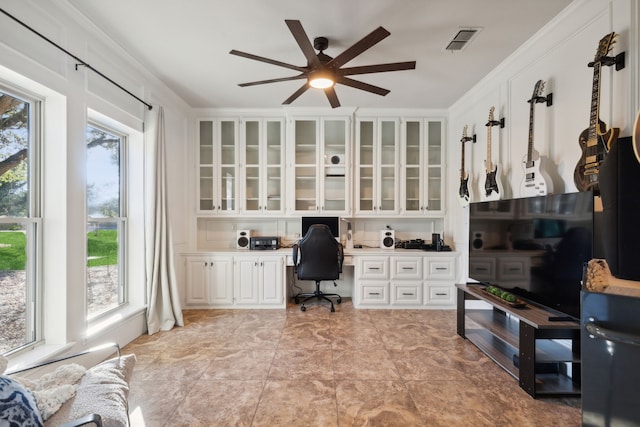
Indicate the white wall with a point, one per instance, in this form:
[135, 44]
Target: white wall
[69, 95]
[558, 54]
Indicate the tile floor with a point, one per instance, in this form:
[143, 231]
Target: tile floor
[317, 368]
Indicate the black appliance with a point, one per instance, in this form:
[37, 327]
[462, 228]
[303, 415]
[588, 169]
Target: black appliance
[620, 192]
[551, 236]
[610, 360]
[265, 243]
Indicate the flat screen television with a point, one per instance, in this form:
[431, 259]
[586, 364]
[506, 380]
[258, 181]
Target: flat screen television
[534, 247]
[333, 222]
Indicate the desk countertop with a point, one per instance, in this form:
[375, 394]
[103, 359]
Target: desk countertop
[348, 252]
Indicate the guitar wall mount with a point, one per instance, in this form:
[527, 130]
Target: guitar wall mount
[538, 99]
[496, 123]
[608, 61]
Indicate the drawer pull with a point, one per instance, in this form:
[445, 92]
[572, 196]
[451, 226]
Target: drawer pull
[407, 268]
[374, 268]
[514, 269]
[481, 269]
[441, 294]
[407, 294]
[441, 268]
[374, 293]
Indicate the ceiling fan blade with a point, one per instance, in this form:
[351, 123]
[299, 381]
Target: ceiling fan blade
[332, 97]
[281, 79]
[378, 68]
[362, 86]
[303, 41]
[267, 60]
[356, 49]
[296, 94]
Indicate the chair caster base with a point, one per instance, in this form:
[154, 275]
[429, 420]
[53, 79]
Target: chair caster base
[303, 308]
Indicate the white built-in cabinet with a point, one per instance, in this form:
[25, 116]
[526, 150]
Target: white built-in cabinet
[244, 168]
[377, 166]
[234, 281]
[401, 281]
[259, 280]
[399, 166]
[422, 167]
[320, 165]
[262, 160]
[218, 150]
[209, 280]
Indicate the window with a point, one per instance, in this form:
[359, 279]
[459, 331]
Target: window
[107, 220]
[19, 220]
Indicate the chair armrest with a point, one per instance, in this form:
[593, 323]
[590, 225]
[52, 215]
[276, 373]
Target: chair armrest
[340, 257]
[295, 257]
[94, 419]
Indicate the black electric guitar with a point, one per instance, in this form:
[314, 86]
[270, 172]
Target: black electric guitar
[463, 192]
[596, 140]
[492, 183]
[535, 182]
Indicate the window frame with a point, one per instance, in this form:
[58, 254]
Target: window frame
[34, 294]
[121, 221]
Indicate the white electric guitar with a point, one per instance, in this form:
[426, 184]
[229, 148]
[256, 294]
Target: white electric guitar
[492, 184]
[536, 182]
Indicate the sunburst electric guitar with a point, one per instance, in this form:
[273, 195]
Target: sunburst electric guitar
[536, 182]
[464, 194]
[492, 183]
[596, 140]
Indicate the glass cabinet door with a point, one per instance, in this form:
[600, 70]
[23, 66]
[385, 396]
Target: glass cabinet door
[206, 167]
[252, 165]
[334, 170]
[365, 166]
[305, 159]
[228, 166]
[273, 181]
[387, 197]
[434, 166]
[412, 167]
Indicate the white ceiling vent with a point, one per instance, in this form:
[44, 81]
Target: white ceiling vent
[462, 38]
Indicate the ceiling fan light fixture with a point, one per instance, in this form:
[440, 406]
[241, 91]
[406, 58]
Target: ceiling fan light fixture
[321, 79]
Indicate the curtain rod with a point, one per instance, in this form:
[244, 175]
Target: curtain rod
[80, 61]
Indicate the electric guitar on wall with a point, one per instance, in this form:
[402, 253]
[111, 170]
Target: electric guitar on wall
[492, 184]
[463, 193]
[535, 182]
[596, 140]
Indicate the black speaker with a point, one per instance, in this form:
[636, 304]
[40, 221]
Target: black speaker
[477, 240]
[619, 182]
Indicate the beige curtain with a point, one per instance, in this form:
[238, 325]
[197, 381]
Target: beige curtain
[163, 300]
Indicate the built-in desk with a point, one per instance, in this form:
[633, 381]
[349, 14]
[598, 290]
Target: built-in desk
[377, 278]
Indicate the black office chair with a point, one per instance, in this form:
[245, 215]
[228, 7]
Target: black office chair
[321, 258]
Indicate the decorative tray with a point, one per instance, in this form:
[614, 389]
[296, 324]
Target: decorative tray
[518, 303]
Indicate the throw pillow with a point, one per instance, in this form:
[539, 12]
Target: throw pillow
[17, 405]
[103, 390]
[53, 389]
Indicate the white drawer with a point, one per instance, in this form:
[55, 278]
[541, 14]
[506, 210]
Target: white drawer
[406, 268]
[374, 293]
[373, 268]
[439, 295]
[406, 293]
[440, 268]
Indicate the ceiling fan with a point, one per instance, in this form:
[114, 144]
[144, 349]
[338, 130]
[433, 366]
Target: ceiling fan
[323, 71]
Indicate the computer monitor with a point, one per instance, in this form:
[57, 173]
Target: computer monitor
[333, 222]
